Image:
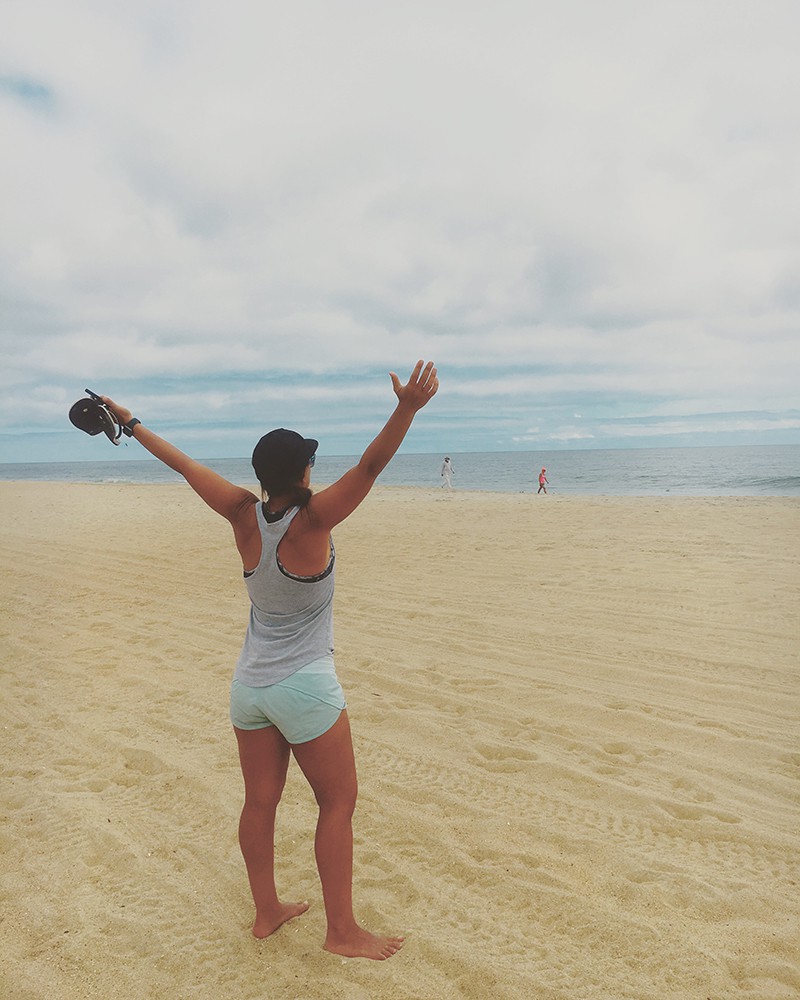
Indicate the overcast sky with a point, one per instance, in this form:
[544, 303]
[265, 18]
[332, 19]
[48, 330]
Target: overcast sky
[243, 215]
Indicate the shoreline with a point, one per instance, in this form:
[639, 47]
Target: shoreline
[431, 492]
[733, 470]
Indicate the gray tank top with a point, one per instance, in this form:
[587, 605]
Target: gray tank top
[291, 617]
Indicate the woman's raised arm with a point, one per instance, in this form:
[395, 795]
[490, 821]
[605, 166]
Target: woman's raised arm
[221, 496]
[331, 506]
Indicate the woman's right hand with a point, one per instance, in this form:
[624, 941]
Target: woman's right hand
[420, 388]
[120, 412]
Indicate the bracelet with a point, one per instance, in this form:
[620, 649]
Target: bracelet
[128, 428]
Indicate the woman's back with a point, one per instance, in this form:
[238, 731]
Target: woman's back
[291, 615]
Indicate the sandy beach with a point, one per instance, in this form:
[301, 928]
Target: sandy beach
[575, 722]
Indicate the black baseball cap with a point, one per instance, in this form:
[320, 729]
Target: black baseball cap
[282, 454]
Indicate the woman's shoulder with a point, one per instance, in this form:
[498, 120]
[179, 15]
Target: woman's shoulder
[246, 509]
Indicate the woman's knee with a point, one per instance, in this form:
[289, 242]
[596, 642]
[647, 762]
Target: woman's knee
[339, 797]
[263, 796]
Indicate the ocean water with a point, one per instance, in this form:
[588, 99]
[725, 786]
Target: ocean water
[766, 470]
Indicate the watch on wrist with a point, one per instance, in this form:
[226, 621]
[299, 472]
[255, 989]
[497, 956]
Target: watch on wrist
[127, 429]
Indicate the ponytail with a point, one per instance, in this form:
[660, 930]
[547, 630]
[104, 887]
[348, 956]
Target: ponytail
[298, 495]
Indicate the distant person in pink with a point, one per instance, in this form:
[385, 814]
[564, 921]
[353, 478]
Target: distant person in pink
[542, 482]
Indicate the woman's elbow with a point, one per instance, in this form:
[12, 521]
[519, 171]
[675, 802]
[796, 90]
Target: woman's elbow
[370, 469]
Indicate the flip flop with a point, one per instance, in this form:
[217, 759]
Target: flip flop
[94, 417]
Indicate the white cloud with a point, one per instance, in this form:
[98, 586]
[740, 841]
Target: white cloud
[570, 434]
[703, 424]
[586, 200]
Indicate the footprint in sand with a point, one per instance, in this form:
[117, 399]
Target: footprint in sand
[503, 759]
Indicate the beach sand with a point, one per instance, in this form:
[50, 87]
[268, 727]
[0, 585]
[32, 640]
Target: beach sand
[575, 722]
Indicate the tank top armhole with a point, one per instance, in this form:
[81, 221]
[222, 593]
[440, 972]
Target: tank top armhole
[308, 579]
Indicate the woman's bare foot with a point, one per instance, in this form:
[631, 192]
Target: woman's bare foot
[361, 944]
[268, 923]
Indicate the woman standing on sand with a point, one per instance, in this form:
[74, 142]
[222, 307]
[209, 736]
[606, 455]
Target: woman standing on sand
[285, 696]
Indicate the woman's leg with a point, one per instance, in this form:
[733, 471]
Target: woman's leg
[329, 765]
[264, 756]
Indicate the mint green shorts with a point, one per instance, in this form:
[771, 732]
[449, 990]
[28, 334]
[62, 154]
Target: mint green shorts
[302, 707]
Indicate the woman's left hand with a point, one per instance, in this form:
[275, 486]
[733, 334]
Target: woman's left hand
[420, 388]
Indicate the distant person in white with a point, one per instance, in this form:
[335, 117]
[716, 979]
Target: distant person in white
[447, 474]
